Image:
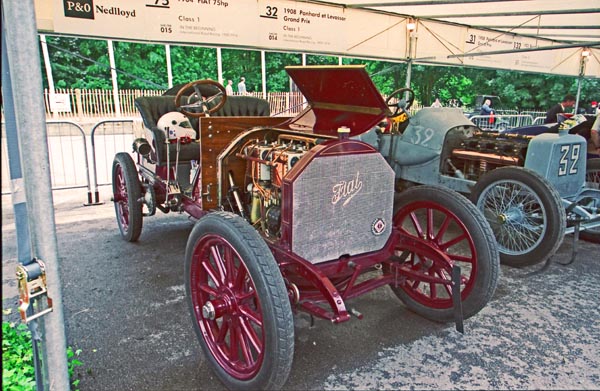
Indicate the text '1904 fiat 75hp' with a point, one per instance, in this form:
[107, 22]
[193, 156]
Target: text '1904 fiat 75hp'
[293, 214]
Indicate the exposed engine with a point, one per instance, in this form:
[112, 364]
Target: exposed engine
[338, 197]
[484, 151]
[268, 163]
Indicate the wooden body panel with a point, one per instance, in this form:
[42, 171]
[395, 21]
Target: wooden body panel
[216, 133]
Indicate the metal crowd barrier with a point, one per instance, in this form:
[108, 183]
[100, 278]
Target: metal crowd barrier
[66, 145]
[108, 138]
[70, 166]
[498, 123]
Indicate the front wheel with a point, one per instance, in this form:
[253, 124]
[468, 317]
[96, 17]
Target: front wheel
[239, 303]
[127, 190]
[440, 229]
[525, 213]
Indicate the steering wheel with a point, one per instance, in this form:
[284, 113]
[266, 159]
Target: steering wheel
[199, 94]
[401, 107]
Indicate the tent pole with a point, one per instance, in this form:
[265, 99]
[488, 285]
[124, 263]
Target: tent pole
[412, 40]
[169, 69]
[578, 95]
[582, 63]
[34, 188]
[47, 64]
[113, 73]
[220, 67]
[263, 68]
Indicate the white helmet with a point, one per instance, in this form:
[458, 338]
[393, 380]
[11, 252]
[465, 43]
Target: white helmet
[176, 125]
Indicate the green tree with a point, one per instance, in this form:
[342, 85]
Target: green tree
[84, 63]
[145, 65]
[243, 63]
[189, 63]
[78, 63]
[277, 78]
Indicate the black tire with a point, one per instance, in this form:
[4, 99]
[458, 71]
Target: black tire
[449, 223]
[525, 213]
[592, 180]
[250, 271]
[127, 190]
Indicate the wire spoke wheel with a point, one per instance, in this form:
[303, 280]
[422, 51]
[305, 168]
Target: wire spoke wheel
[516, 214]
[442, 229]
[525, 212]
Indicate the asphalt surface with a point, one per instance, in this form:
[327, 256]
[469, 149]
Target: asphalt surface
[125, 309]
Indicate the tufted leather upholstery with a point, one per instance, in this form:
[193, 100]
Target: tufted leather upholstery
[244, 106]
[153, 107]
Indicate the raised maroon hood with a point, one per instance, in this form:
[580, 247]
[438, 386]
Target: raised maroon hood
[340, 96]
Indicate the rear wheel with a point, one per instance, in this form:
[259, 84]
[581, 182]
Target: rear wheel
[592, 181]
[525, 213]
[126, 193]
[239, 303]
[441, 229]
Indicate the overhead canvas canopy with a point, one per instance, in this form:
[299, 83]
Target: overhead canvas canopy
[548, 36]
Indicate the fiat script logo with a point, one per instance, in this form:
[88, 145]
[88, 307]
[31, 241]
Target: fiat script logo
[346, 190]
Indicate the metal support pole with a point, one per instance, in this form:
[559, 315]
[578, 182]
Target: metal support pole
[19, 202]
[169, 69]
[412, 38]
[263, 68]
[578, 94]
[408, 73]
[47, 64]
[220, 67]
[113, 73]
[19, 30]
[582, 64]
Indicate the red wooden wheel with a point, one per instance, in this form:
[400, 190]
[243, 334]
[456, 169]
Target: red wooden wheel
[441, 228]
[239, 303]
[227, 307]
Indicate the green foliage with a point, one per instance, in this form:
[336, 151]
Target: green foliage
[144, 61]
[278, 79]
[71, 71]
[242, 63]
[387, 76]
[18, 373]
[190, 63]
[147, 63]
[72, 363]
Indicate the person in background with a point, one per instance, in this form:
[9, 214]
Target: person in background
[568, 101]
[486, 108]
[437, 103]
[593, 108]
[242, 86]
[229, 87]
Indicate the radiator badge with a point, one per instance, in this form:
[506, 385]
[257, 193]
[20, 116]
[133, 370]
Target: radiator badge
[346, 190]
[378, 226]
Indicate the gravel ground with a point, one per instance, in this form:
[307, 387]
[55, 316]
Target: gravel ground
[125, 309]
